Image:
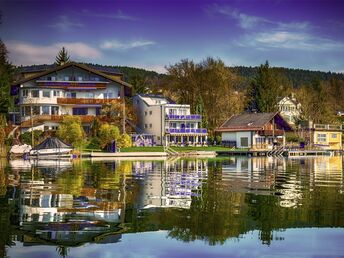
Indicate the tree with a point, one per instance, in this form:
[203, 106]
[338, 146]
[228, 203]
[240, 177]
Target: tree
[265, 90]
[70, 130]
[124, 141]
[210, 82]
[108, 133]
[6, 78]
[199, 109]
[62, 57]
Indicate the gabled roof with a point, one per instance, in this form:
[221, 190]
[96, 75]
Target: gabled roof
[81, 66]
[252, 121]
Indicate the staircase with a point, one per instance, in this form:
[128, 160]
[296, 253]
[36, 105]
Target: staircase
[170, 151]
[276, 152]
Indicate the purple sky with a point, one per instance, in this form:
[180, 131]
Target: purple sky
[153, 34]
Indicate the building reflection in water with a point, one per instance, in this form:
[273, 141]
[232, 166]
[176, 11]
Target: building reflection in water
[68, 204]
[170, 184]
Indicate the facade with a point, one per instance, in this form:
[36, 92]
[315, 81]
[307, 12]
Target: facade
[43, 98]
[168, 122]
[324, 136]
[289, 109]
[254, 130]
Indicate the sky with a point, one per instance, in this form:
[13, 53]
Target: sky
[153, 34]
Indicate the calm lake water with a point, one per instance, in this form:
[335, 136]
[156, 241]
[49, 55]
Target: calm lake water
[222, 207]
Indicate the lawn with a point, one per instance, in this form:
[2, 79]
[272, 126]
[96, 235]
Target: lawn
[178, 149]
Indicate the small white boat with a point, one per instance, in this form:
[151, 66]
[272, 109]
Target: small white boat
[51, 146]
[19, 150]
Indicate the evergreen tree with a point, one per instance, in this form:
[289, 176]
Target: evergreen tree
[265, 90]
[62, 57]
[6, 77]
[199, 109]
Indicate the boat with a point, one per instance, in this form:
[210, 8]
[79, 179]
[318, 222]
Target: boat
[50, 147]
[19, 150]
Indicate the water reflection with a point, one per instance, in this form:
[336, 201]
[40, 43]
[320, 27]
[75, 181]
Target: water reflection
[66, 204]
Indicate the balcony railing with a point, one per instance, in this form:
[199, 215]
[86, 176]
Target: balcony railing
[184, 117]
[270, 132]
[85, 101]
[55, 118]
[327, 127]
[186, 130]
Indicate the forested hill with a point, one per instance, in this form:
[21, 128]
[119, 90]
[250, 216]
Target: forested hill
[138, 75]
[296, 76]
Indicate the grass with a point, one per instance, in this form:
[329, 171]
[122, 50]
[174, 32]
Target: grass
[178, 149]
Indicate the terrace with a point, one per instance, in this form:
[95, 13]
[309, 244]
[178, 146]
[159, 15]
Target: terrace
[186, 130]
[183, 117]
[67, 101]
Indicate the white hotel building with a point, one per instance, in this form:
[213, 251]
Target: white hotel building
[168, 122]
[44, 97]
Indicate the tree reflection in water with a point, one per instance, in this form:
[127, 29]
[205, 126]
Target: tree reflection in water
[212, 200]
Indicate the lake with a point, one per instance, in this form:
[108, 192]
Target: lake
[218, 207]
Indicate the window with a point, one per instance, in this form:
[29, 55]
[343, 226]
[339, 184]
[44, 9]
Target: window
[150, 112]
[35, 110]
[321, 137]
[90, 95]
[244, 141]
[54, 110]
[56, 93]
[45, 110]
[25, 93]
[146, 126]
[71, 95]
[35, 93]
[46, 128]
[150, 125]
[80, 111]
[66, 78]
[108, 95]
[79, 78]
[145, 113]
[333, 135]
[46, 93]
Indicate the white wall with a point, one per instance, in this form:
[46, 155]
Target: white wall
[236, 136]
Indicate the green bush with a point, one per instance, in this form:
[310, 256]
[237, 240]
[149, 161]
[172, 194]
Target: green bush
[37, 137]
[94, 143]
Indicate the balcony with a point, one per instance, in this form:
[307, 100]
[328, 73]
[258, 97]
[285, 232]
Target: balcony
[275, 132]
[85, 101]
[183, 117]
[37, 119]
[73, 84]
[186, 131]
[328, 127]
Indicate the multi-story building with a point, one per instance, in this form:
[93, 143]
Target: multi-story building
[168, 122]
[290, 109]
[45, 97]
[324, 136]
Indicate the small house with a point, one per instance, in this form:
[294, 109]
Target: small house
[254, 130]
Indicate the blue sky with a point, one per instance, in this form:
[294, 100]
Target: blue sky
[154, 34]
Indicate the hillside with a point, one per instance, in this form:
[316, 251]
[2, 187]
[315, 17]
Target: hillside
[296, 76]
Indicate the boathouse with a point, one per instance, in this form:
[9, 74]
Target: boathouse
[254, 131]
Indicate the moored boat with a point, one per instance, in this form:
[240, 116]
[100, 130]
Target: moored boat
[51, 146]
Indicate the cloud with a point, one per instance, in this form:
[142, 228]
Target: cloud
[118, 45]
[290, 40]
[64, 23]
[119, 15]
[23, 53]
[246, 21]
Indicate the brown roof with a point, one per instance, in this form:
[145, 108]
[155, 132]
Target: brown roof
[252, 121]
[81, 66]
